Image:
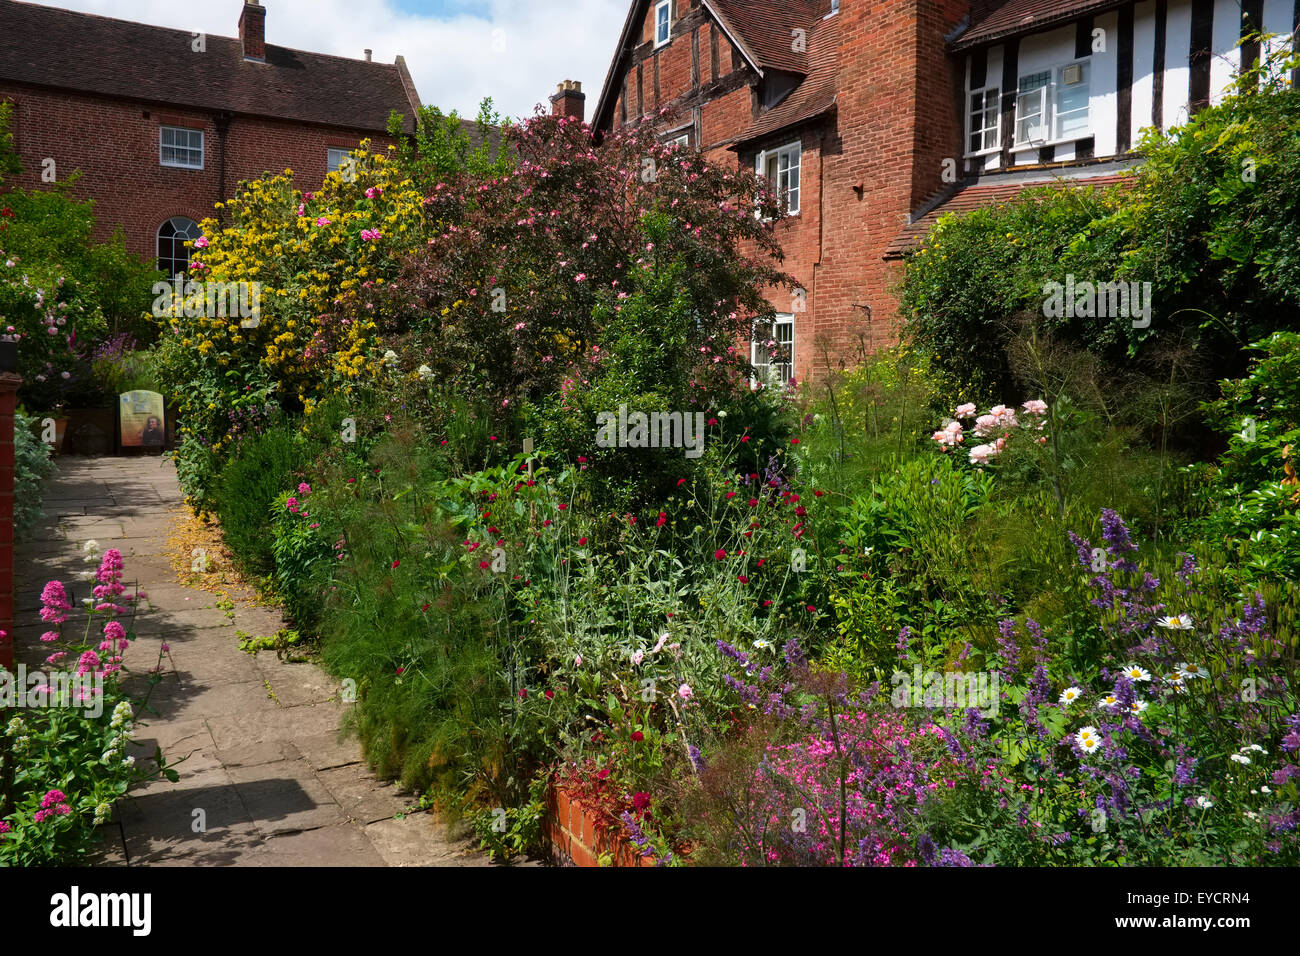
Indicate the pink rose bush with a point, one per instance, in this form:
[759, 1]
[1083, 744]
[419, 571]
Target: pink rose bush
[999, 421]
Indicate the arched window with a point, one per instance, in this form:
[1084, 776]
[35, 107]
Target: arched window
[173, 257]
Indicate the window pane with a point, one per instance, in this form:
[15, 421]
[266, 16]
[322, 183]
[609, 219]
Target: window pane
[1072, 102]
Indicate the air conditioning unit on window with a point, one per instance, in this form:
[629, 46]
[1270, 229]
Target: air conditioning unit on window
[1072, 74]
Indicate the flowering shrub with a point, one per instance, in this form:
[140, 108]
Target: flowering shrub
[998, 419]
[69, 750]
[309, 255]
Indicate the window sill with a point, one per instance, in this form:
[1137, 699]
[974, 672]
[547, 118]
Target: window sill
[194, 169]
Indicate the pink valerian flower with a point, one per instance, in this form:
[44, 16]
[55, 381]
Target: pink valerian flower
[368, 235]
[51, 798]
[54, 603]
[109, 575]
[304, 489]
[374, 192]
[322, 221]
[49, 637]
[291, 505]
[114, 632]
[88, 663]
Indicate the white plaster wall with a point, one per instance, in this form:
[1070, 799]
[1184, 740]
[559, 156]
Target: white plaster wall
[1104, 94]
[1226, 45]
[1178, 41]
[1144, 58]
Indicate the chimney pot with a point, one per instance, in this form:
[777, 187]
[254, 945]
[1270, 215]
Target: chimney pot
[569, 100]
[368, 60]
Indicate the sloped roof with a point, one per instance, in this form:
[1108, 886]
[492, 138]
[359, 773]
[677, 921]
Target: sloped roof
[49, 47]
[767, 29]
[1024, 16]
[814, 96]
[988, 194]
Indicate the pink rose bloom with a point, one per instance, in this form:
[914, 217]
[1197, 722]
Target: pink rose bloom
[685, 692]
[985, 425]
[980, 454]
[201, 242]
[1035, 406]
[966, 411]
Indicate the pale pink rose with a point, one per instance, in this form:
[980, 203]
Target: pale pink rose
[685, 692]
[1035, 406]
[966, 411]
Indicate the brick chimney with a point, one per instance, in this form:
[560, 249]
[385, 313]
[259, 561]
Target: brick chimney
[569, 100]
[252, 30]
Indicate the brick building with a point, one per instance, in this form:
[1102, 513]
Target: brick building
[874, 117]
[163, 124]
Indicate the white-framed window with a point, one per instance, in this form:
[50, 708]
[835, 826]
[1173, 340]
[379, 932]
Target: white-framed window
[173, 257]
[835, 8]
[180, 147]
[1072, 116]
[781, 167]
[682, 141]
[335, 158]
[663, 21]
[983, 121]
[1054, 105]
[771, 351]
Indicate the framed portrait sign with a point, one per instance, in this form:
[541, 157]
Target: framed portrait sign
[141, 422]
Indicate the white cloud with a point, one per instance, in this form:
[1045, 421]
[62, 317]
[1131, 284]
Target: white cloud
[450, 55]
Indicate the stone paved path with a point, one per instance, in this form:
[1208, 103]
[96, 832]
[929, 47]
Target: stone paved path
[266, 763]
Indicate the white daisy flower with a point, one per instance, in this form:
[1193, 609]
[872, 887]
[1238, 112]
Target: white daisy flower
[1135, 673]
[1088, 740]
[762, 644]
[1109, 702]
[1255, 747]
[1175, 680]
[1138, 706]
[1176, 622]
[1191, 671]
[1070, 695]
[1266, 789]
[1240, 758]
[1204, 803]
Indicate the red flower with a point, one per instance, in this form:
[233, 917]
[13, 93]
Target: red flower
[800, 511]
[767, 604]
[602, 774]
[423, 609]
[640, 800]
[811, 609]
[484, 565]
[564, 507]
[637, 736]
[753, 502]
[661, 520]
[549, 694]
[523, 693]
[400, 669]
[744, 438]
[720, 554]
[581, 460]
[730, 495]
[793, 497]
[794, 441]
[546, 523]
[582, 541]
[680, 482]
[396, 563]
[492, 437]
[742, 579]
[713, 421]
[819, 493]
[631, 519]
[760, 561]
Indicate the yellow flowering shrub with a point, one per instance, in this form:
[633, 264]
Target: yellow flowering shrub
[307, 254]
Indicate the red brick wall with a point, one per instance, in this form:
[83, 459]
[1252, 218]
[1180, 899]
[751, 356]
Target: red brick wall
[8, 398]
[115, 145]
[862, 172]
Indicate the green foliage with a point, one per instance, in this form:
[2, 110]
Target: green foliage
[249, 484]
[32, 466]
[444, 147]
[9, 164]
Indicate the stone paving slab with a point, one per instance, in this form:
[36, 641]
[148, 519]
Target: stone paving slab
[265, 776]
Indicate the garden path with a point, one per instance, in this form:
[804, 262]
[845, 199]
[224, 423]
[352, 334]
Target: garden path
[264, 758]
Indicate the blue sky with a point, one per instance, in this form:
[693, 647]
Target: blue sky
[459, 51]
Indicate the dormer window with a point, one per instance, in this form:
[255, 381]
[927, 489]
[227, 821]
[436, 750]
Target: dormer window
[663, 21]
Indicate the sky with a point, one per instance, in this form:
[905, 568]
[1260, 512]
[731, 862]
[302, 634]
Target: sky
[458, 51]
